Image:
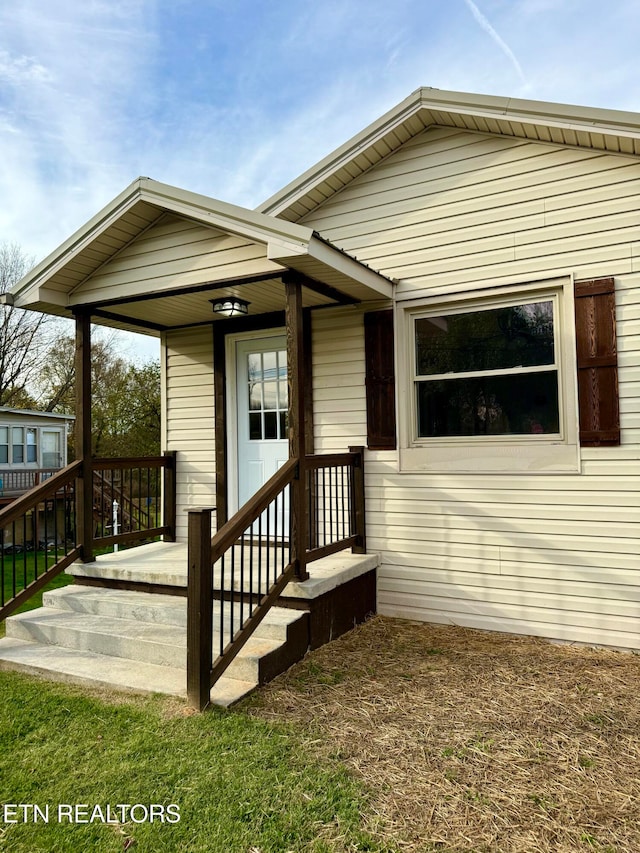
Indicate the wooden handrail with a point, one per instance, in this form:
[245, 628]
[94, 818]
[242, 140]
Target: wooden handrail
[107, 487]
[249, 512]
[329, 460]
[38, 493]
[25, 580]
[120, 462]
[236, 538]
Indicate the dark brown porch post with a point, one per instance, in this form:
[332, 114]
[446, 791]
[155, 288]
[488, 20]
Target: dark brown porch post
[84, 498]
[297, 445]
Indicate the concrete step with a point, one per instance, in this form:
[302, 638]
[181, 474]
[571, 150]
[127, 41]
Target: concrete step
[84, 667]
[160, 609]
[136, 640]
[147, 642]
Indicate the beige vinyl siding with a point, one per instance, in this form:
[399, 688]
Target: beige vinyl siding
[189, 423]
[339, 405]
[175, 253]
[453, 209]
[555, 555]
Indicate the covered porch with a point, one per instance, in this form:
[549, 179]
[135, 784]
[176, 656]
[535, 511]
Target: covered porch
[161, 261]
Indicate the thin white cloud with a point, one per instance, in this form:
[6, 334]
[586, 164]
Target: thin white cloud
[504, 47]
[20, 69]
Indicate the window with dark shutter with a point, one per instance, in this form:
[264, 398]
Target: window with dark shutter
[597, 362]
[380, 380]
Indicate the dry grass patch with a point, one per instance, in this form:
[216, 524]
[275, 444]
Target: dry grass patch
[476, 741]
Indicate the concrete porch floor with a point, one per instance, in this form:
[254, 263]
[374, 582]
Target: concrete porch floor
[165, 564]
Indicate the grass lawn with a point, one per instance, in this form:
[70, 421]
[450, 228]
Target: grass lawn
[25, 565]
[240, 783]
[36, 600]
[395, 737]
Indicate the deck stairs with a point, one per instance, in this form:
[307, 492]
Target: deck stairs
[129, 632]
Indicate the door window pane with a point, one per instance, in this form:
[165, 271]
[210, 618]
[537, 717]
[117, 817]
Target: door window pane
[255, 426]
[268, 397]
[255, 396]
[270, 365]
[254, 367]
[270, 425]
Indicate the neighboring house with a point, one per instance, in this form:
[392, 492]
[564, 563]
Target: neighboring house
[33, 445]
[470, 274]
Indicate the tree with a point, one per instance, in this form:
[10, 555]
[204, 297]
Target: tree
[24, 335]
[125, 399]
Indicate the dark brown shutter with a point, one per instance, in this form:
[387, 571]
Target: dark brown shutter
[597, 362]
[380, 380]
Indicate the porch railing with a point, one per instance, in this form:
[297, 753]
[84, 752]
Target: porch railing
[143, 491]
[14, 482]
[236, 577]
[41, 532]
[38, 538]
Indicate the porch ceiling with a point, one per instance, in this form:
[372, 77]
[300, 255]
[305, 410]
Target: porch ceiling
[156, 256]
[264, 295]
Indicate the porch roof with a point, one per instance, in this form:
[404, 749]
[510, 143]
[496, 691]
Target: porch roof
[122, 267]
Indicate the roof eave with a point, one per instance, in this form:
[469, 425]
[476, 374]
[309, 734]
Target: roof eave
[339, 262]
[228, 217]
[614, 123]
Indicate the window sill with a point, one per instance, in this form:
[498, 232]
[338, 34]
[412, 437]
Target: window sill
[504, 458]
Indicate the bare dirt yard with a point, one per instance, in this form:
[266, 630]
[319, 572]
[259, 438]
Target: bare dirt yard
[474, 741]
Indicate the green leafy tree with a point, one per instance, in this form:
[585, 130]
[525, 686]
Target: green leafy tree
[125, 398]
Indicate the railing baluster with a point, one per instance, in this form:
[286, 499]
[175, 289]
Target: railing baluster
[267, 537]
[259, 590]
[222, 596]
[336, 482]
[13, 558]
[324, 506]
[242, 580]
[232, 591]
[54, 501]
[343, 503]
[251, 568]
[24, 550]
[283, 564]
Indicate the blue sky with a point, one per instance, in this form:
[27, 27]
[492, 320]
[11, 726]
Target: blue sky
[234, 99]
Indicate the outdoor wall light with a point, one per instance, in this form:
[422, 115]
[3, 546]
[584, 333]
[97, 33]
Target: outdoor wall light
[230, 307]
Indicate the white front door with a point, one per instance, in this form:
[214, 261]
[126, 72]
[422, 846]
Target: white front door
[261, 414]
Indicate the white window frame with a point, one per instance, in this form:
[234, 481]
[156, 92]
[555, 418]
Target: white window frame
[6, 444]
[35, 433]
[61, 446]
[536, 453]
[14, 444]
